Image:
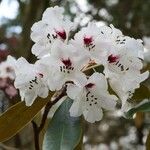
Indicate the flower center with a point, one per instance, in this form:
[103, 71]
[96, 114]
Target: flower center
[61, 34]
[67, 62]
[112, 58]
[67, 66]
[88, 42]
[89, 85]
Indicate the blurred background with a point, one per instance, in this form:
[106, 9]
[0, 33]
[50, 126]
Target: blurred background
[132, 17]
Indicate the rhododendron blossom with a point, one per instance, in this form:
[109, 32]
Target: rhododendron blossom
[90, 97]
[65, 62]
[30, 80]
[53, 26]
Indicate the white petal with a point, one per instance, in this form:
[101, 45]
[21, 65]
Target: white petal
[43, 91]
[56, 81]
[41, 49]
[38, 30]
[93, 114]
[73, 91]
[53, 13]
[118, 88]
[144, 76]
[108, 101]
[99, 80]
[76, 109]
[28, 97]
[79, 78]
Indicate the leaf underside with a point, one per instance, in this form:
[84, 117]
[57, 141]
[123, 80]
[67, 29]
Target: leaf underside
[64, 132]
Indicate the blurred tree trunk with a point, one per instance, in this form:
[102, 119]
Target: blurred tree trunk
[32, 13]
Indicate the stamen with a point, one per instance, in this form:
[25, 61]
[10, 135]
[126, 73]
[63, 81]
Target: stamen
[54, 36]
[48, 36]
[122, 68]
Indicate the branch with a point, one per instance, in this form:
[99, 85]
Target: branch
[36, 136]
[37, 130]
[48, 107]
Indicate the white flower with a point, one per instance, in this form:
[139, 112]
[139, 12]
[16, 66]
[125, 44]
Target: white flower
[115, 40]
[90, 97]
[125, 85]
[124, 56]
[121, 63]
[52, 26]
[30, 80]
[7, 68]
[64, 64]
[89, 41]
[123, 67]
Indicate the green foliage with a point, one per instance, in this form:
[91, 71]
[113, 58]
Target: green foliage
[64, 132]
[17, 117]
[141, 93]
[144, 106]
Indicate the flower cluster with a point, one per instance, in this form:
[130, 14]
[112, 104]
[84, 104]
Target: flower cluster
[7, 76]
[63, 61]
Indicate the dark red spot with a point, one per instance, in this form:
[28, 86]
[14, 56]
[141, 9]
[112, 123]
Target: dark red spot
[67, 62]
[89, 85]
[87, 40]
[41, 75]
[112, 58]
[62, 34]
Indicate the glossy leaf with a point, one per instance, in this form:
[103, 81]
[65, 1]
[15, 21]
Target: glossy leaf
[18, 116]
[144, 106]
[64, 132]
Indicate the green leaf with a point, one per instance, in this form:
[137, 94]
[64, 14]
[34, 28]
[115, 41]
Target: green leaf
[64, 132]
[144, 106]
[141, 93]
[17, 117]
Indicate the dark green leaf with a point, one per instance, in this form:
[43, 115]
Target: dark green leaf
[64, 132]
[144, 106]
[141, 93]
